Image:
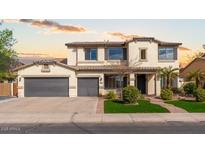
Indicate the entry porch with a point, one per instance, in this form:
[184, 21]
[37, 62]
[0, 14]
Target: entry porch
[148, 83]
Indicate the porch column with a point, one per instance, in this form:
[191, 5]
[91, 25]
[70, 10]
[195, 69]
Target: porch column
[157, 85]
[132, 79]
[150, 84]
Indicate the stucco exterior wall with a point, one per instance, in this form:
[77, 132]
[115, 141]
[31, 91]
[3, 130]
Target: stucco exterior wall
[55, 71]
[71, 58]
[152, 55]
[150, 84]
[158, 86]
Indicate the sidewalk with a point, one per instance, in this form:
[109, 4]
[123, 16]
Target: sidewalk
[100, 118]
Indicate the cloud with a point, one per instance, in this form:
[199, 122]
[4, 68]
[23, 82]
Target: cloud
[51, 25]
[33, 54]
[122, 35]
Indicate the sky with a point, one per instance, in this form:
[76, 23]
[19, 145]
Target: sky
[48, 37]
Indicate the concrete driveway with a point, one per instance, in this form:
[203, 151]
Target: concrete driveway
[50, 105]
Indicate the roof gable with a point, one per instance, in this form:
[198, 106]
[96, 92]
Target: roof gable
[43, 62]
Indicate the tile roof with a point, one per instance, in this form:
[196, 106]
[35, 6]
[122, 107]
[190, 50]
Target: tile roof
[103, 43]
[43, 62]
[114, 68]
[111, 43]
[196, 64]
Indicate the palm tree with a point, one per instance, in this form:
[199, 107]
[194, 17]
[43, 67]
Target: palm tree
[196, 75]
[168, 73]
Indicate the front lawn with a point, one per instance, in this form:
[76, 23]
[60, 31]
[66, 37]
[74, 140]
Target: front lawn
[144, 106]
[189, 105]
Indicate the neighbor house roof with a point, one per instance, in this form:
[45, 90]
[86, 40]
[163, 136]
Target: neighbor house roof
[196, 64]
[110, 44]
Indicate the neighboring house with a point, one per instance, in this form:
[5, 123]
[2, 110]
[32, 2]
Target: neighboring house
[93, 68]
[196, 64]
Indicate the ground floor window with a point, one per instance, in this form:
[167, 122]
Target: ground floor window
[114, 81]
[174, 82]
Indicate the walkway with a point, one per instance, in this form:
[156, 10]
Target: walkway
[100, 105]
[170, 107]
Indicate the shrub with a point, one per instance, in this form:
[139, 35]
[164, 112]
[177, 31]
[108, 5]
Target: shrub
[179, 91]
[131, 94]
[111, 95]
[189, 88]
[200, 95]
[166, 94]
[176, 90]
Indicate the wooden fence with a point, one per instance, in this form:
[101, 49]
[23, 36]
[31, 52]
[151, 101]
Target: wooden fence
[8, 89]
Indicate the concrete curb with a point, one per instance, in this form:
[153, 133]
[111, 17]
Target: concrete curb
[100, 118]
[8, 100]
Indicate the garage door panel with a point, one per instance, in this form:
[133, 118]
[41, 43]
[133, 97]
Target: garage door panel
[46, 87]
[88, 86]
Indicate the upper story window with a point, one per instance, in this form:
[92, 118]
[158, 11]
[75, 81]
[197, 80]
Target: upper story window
[167, 54]
[116, 53]
[143, 54]
[91, 54]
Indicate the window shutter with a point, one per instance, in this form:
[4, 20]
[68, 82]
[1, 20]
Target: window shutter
[124, 54]
[87, 54]
[106, 54]
[175, 53]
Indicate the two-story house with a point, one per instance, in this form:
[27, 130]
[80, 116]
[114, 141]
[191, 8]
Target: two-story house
[94, 68]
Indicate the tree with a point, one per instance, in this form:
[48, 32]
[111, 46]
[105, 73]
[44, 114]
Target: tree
[196, 75]
[196, 55]
[168, 73]
[8, 57]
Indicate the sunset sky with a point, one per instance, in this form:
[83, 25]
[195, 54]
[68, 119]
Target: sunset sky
[47, 37]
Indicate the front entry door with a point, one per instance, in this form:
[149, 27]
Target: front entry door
[141, 83]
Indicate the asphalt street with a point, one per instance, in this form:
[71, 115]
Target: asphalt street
[105, 128]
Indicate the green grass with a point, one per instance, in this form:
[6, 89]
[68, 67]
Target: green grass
[144, 106]
[188, 105]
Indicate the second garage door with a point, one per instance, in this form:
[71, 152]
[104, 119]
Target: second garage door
[46, 87]
[88, 86]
